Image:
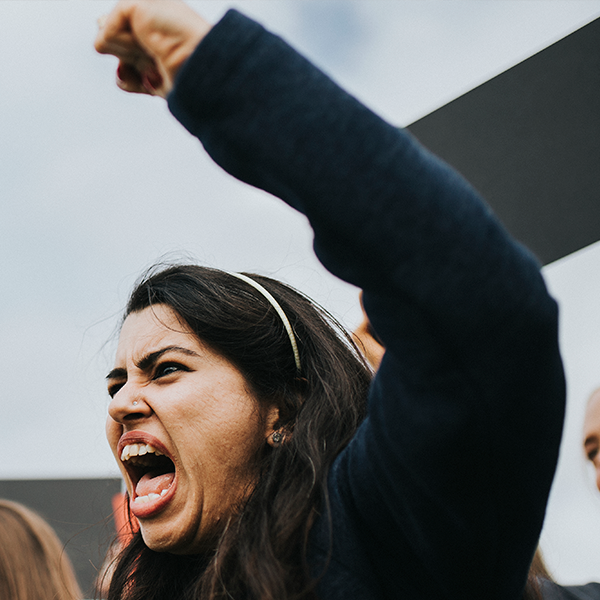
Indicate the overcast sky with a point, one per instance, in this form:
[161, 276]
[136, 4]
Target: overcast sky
[97, 185]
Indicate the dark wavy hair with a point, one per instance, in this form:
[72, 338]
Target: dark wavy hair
[261, 552]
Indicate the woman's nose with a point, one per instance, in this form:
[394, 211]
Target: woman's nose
[129, 404]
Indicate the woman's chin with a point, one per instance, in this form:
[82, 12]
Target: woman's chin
[160, 541]
[156, 543]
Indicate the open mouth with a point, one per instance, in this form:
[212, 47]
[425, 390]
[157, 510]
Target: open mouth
[152, 474]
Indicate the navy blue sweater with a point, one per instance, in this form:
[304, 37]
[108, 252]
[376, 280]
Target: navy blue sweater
[442, 492]
[553, 591]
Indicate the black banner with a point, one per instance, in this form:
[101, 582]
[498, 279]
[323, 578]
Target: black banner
[529, 141]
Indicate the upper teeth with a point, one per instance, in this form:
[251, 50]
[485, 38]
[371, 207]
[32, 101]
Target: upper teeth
[138, 450]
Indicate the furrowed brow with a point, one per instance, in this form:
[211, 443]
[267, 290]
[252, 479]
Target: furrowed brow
[117, 374]
[150, 359]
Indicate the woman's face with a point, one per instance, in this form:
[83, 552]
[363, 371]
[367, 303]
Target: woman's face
[591, 433]
[184, 429]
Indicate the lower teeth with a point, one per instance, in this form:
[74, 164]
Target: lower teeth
[149, 497]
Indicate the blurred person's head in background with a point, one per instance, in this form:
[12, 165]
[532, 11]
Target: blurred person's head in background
[367, 340]
[591, 433]
[33, 562]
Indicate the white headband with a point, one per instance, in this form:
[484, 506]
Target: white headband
[280, 312]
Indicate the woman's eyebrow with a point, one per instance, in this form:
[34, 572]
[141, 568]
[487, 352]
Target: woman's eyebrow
[150, 359]
[147, 361]
[117, 374]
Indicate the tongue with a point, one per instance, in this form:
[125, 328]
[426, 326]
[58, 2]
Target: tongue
[151, 483]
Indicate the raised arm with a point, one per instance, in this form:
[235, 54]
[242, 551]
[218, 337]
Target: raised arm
[152, 40]
[446, 482]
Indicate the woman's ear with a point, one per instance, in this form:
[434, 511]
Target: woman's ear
[274, 433]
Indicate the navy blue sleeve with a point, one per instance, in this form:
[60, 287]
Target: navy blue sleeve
[448, 477]
[553, 591]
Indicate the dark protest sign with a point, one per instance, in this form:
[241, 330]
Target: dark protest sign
[529, 141]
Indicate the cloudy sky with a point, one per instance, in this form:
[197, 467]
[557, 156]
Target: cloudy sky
[97, 185]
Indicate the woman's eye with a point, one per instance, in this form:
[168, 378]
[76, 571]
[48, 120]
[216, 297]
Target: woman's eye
[113, 389]
[168, 369]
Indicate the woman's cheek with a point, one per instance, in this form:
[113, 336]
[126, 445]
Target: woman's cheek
[114, 431]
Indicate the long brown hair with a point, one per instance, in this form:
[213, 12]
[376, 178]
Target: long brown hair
[261, 554]
[33, 563]
[538, 571]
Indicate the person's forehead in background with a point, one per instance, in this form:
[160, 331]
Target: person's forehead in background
[591, 426]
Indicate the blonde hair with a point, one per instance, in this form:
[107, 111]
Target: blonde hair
[33, 563]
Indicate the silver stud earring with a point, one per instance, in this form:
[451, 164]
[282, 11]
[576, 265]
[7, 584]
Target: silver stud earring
[135, 402]
[277, 437]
